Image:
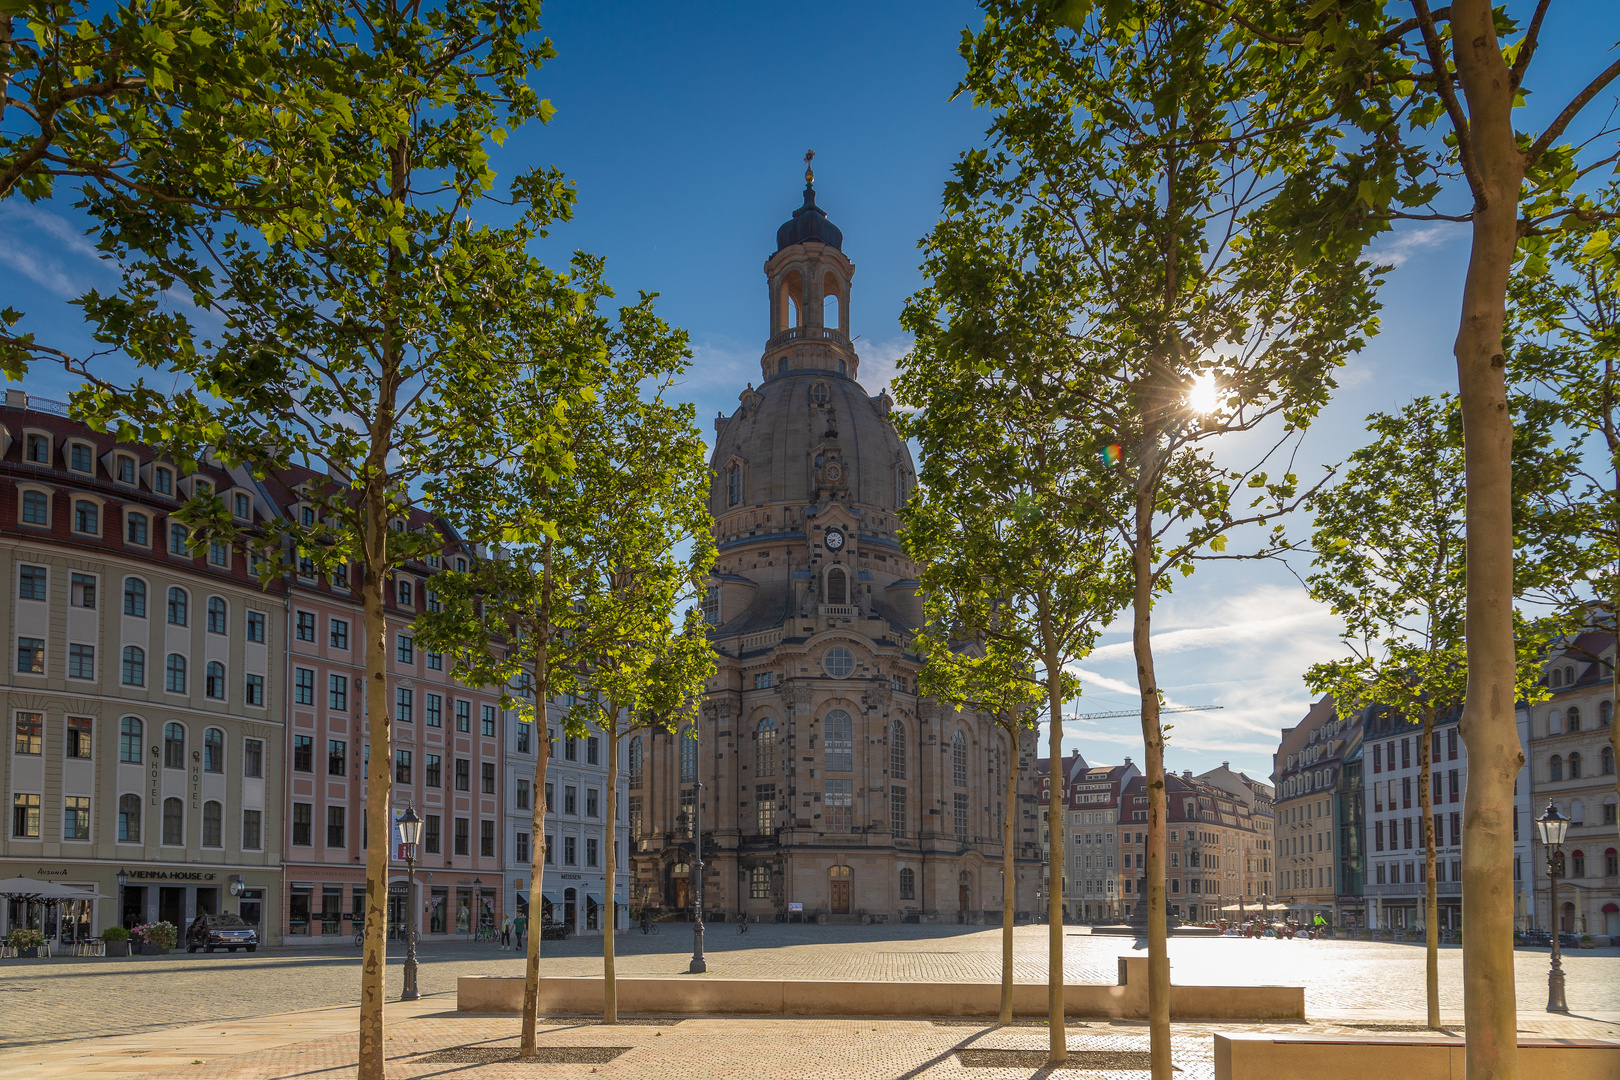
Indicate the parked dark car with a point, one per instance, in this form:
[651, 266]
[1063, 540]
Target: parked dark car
[228, 932]
[1536, 938]
[556, 931]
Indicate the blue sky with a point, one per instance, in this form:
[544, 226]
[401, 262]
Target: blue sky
[684, 127]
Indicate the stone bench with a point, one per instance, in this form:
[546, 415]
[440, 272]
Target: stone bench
[1350, 1057]
[793, 997]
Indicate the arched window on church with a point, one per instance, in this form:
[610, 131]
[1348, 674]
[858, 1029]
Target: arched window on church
[765, 748]
[897, 751]
[734, 485]
[959, 759]
[837, 586]
[829, 311]
[688, 755]
[637, 761]
[838, 741]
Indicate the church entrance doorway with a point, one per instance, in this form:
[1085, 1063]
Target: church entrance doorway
[964, 891]
[838, 879]
[680, 886]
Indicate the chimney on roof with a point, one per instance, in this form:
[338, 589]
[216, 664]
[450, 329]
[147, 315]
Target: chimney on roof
[1186, 774]
[1227, 765]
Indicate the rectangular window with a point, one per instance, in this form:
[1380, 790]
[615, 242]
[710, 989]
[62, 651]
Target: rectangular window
[592, 803]
[177, 538]
[303, 686]
[32, 582]
[1451, 744]
[82, 590]
[30, 733]
[244, 506]
[463, 774]
[1455, 785]
[462, 836]
[402, 766]
[1378, 835]
[570, 851]
[405, 650]
[337, 693]
[523, 734]
[571, 749]
[430, 834]
[487, 777]
[219, 554]
[764, 809]
[522, 795]
[486, 722]
[252, 830]
[463, 716]
[81, 661]
[303, 753]
[593, 751]
[570, 800]
[304, 626]
[338, 633]
[38, 449]
[86, 517]
[486, 839]
[1406, 753]
[1406, 792]
[435, 714]
[36, 508]
[253, 691]
[435, 661]
[961, 822]
[25, 817]
[337, 757]
[523, 855]
[433, 771]
[897, 811]
[635, 817]
[255, 626]
[76, 818]
[136, 530]
[591, 858]
[838, 806]
[79, 738]
[334, 827]
[551, 791]
[31, 656]
[402, 704]
[252, 757]
[1456, 829]
[303, 815]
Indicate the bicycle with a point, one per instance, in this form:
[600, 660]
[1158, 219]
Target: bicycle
[648, 927]
[485, 933]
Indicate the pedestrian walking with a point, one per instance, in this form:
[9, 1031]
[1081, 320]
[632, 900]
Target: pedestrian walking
[521, 925]
[506, 932]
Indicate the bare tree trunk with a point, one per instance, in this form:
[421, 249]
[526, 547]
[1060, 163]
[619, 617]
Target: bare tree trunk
[1431, 887]
[1153, 784]
[610, 986]
[1009, 883]
[379, 787]
[542, 762]
[1488, 723]
[1056, 1025]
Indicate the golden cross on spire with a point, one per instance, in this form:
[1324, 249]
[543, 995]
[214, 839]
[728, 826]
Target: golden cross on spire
[809, 173]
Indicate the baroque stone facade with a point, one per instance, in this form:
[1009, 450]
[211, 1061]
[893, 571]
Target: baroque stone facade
[827, 787]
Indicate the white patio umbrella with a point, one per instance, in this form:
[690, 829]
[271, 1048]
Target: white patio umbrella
[25, 888]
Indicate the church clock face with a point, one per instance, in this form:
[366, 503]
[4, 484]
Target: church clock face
[835, 539]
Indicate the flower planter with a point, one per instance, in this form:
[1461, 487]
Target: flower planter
[117, 948]
[30, 952]
[154, 950]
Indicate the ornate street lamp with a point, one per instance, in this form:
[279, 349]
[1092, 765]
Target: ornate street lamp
[1553, 826]
[698, 966]
[123, 879]
[410, 833]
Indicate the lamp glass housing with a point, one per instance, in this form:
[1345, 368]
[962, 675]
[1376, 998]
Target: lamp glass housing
[410, 827]
[1553, 826]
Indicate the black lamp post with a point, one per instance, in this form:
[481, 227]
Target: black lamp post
[478, 905]
[123, 878]
[697, 966]
[1553, 826]
[410, 832]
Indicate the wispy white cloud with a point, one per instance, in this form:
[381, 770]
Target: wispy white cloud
[1400, 247]
[49, 250]
[880, 363]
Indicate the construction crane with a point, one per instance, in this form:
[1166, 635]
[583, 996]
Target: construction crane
[1138, 712]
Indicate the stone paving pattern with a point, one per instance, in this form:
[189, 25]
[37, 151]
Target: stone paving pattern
[63, 998]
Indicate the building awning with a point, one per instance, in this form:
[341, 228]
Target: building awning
[593, 898]
[550, 898]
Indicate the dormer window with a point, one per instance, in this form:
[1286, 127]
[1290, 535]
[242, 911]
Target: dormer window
[37, 448]
[244, 506]
[163, 480]
[124, 469]
[36, 507]
[81, 457]
[86, 517]
[137, 528]
[306, 516]
[405, 594]
[201, 489]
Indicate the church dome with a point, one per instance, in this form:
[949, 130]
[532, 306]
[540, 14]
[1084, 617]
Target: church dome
[807, 435]
[809, 222]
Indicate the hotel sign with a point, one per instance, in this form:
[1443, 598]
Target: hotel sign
[171, 875]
